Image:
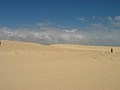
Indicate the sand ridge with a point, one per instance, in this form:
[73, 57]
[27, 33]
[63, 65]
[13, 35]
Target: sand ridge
[28, 66]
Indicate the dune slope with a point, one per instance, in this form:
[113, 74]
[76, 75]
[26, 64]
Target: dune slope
[27, 66]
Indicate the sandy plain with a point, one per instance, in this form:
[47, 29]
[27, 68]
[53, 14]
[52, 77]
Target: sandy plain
[28, 66]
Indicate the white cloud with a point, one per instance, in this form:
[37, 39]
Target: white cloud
[81, 19]
[98, 26]
[95, 35]
[110, 18]
[115, 25]
[117, 18]
[71, 31]
[110, 22]
[114, 22]
[42, 24]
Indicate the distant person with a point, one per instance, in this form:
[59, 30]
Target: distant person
[111, 50]
[0, 43]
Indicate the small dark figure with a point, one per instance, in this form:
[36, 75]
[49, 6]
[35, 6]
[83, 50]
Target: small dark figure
[0, 43]
[111, 50]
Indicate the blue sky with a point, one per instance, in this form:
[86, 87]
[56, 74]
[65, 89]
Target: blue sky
[61, 21]
[62, 12]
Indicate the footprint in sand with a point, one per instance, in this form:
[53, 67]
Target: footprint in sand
[94, 57]
[16, 53]
[110, 60]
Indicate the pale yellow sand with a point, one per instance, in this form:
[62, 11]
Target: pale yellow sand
[26, 66]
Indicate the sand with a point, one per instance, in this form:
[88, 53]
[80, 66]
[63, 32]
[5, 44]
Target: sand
[27, 66]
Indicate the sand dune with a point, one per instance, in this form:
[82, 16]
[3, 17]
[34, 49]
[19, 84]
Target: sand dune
[27, 66]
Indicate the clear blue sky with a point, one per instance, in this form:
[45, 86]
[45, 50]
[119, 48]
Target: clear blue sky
[63, 12]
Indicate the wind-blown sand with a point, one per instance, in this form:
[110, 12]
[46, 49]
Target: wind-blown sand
[27, 66]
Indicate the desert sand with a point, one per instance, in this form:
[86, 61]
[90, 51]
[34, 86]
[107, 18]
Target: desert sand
[28, 66]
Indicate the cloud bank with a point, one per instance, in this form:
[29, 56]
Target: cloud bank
[43, 33]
